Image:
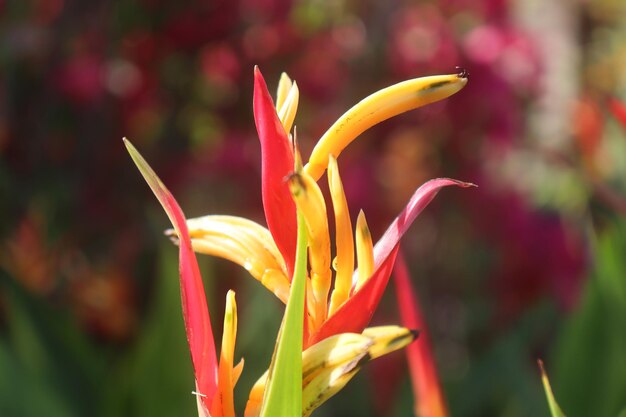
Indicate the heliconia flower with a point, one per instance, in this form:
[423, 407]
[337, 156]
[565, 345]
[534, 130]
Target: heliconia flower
[429, 399]
[331, 307]
[323, 368]
[269, 253]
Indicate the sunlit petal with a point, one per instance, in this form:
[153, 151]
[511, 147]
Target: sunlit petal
[287, 112]
[284, 85]
[255, 398]
[244, 242]
[377, 107]
[330, 364]
[344, 260]
[310, 203]
[328, 383]
[223, 403]
[237, 370]
[386, 339]
[364, 251]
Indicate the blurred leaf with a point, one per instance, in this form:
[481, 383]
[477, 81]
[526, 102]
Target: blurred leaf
[48, 366]
[156, 379]
[262, 309]
[502, 381]
[590, 366]
[23, 394]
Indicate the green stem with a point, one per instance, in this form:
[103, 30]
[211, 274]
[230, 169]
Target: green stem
[283, 393]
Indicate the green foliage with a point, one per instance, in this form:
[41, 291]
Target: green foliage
[50, 368]
[283, 395]
[590, 377]
[155, 378]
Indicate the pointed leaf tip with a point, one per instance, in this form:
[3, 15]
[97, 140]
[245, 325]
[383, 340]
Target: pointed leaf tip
[420, 199]
[555, 410]
[195, 310]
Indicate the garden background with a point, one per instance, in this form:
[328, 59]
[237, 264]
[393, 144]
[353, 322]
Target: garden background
[531, 264]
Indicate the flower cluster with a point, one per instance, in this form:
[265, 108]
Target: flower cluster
[326, 315]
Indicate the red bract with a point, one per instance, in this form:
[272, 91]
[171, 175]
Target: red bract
[195, 310]
[357, 311]
[354, 309]
[277, 163]
[429, 401]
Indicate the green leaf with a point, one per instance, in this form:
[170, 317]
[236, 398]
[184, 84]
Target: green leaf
[555, 410]
[593, 341]
[48, 365]
[283, 395]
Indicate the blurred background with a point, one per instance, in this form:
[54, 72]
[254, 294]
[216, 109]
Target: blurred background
[532, 264]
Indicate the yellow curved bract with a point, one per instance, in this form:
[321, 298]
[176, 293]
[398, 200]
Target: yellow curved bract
[381, 105]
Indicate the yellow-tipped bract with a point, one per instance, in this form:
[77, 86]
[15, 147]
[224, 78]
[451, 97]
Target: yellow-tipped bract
[381, 105]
